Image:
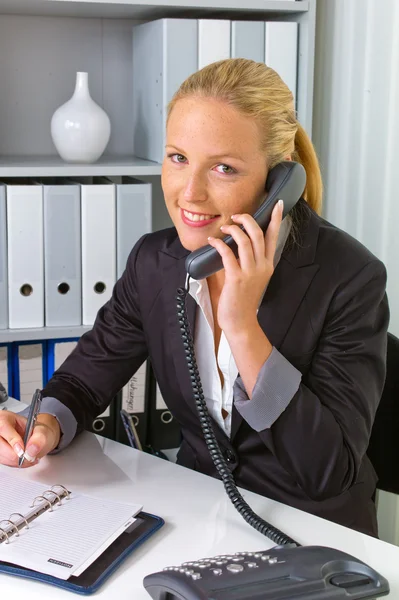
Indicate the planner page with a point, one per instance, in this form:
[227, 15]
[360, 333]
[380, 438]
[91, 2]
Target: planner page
[16, 495]
[61, 541]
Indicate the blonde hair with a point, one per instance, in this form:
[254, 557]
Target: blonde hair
[258, 91]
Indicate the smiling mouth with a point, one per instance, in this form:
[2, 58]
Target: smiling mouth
[196, 217]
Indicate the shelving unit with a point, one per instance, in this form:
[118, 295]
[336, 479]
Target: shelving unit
[151, 9]
[53, 166]
[44, 42]
[41, 333]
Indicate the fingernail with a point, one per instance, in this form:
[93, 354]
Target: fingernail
[18, 450]
[31, 452]
[29, 457]
[281, 204]
[210, 238]
[233, 216]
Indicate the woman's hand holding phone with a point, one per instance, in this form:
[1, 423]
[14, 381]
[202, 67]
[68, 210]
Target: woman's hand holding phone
[246, 277]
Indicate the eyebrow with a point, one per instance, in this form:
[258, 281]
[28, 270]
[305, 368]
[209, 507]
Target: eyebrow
[212, 156]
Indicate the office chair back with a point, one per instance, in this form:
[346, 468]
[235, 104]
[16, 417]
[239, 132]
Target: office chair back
[383, 449]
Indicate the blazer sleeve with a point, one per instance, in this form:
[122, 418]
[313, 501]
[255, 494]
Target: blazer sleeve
[107, 356]
[322, 435]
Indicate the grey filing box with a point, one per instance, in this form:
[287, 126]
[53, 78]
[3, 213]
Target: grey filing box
[165, 53]
[248, 40]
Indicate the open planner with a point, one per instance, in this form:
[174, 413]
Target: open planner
[71, 540]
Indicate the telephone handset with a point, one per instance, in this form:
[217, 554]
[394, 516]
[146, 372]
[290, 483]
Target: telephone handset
[286, 181]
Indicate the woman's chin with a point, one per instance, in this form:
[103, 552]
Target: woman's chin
[191, 244]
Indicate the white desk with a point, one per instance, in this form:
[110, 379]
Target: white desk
[200, 520]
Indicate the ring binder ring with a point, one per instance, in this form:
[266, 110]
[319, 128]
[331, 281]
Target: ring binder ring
[4, 533]
[67, 494]
[45, 499]
[22, 517]
[13, 524]
[56, 495]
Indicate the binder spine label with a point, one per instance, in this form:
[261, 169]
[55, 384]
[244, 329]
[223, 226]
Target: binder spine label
[133, 394]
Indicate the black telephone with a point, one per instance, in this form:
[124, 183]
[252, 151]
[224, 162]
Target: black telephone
[306, 573]
[289, 569]
[286, 181]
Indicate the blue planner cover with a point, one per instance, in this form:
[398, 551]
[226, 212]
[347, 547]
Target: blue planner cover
[101, 569]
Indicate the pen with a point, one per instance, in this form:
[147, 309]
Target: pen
[131, 430]
[33, 412]
[133, 437]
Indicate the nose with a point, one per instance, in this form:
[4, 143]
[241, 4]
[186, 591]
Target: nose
[195, 188]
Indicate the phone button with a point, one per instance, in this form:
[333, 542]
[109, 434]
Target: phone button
[350, 580]
[235, 568]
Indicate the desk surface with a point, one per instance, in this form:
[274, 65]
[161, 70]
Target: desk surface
[200, 520]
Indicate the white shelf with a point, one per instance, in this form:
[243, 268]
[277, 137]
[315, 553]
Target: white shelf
[53, 166]
[42, 333]
[149, 9]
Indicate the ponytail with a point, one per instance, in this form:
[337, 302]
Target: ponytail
[305, 154]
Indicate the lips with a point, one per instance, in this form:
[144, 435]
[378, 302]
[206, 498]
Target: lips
[197, 219]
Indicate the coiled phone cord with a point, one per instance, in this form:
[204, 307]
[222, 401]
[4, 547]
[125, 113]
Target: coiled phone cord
[238, 501]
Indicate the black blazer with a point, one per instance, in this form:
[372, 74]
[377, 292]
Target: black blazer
[325, 310]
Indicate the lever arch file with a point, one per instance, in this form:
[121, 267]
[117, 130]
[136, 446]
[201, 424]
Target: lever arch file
[159, 67]
[42, 533]
[25, 254]
[281, 51]
[62, 253]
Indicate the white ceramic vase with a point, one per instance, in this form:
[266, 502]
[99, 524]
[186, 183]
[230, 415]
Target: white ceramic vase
[80, 128]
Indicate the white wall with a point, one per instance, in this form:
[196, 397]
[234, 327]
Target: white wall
[356, 134]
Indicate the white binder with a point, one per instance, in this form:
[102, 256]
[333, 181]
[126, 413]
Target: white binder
[25, 255]
[133, 217]
[165, 53]
[248, 40]
[62, 254]
[61, 352]
[213, 41]
[98, 213]
[57, 352]
[3, 261]
[281, 51]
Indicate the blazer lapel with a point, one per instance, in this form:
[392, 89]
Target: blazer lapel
[287, 287]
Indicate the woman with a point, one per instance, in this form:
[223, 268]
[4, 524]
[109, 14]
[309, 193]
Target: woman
[290, 337]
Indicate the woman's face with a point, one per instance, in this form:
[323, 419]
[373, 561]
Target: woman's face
[213, 168]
